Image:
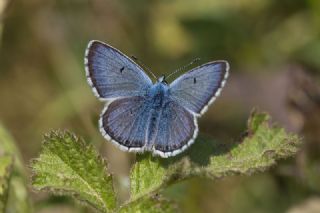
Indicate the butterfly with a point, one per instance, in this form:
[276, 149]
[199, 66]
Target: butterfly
[140, 115]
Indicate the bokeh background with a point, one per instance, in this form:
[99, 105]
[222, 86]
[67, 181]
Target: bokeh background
[274, 50]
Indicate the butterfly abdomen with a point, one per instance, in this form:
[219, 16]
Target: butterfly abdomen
[157, 98]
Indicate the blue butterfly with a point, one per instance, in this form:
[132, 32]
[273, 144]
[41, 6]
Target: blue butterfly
[141, 116]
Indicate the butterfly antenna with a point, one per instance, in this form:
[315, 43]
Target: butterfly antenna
[184, 67]
[144, 66]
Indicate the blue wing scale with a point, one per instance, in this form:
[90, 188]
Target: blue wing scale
[111, 74]
[123, 122]
[198, 88]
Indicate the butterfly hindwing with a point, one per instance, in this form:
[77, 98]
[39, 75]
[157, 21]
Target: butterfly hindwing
[177, 130]
[134, 124]
[111, 74]
[199, 87]
[124, 121]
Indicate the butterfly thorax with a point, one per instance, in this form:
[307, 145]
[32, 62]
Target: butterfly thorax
[157, 93]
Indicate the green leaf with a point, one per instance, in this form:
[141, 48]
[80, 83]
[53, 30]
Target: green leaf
[154, 204]
[262, 146]
[150, 172]
[18, 196]
[7, 145]
[6, 163]
[17, 199]
[67, 165]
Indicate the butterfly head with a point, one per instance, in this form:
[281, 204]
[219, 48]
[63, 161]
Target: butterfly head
[162, 79]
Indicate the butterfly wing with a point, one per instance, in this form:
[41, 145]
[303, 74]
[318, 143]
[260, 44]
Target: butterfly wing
[111, 74]
[124, 122]
[177, 129]
[199, 87]
[134, 125]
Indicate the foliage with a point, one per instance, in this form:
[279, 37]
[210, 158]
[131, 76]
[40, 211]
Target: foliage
[154, 204]
[5, 174]
[263, 145]
[13, 192]
[67, 165]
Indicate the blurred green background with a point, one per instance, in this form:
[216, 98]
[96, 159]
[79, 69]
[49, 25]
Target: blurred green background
[274, 50]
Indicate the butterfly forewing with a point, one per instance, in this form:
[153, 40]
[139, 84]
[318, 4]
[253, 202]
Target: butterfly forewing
[199, 87]
[112, 74]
